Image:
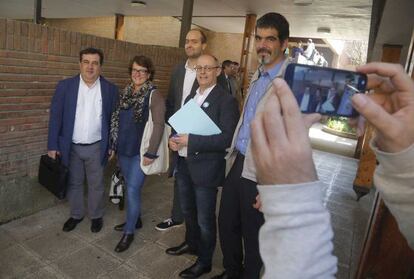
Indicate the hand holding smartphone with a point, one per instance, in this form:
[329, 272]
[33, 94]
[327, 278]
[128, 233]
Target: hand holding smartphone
[324, 90]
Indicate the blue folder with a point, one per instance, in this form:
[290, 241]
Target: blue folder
[191, 119]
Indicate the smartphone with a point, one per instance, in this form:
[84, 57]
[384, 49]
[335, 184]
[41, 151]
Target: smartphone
[324, 90]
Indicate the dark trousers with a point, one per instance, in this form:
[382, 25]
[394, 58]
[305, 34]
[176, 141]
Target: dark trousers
[239, 224]
[176, 212]
[198, 203]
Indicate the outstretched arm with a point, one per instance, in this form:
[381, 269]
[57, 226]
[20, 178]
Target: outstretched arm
[296, 238]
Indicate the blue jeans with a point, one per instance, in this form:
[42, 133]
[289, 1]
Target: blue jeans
[134, 178]
[198, 203]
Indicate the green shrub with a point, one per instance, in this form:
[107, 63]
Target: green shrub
[340, 124]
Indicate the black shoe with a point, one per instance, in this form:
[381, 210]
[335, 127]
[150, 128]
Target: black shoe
[181, 249]
[70, 224]
[195, 271]
[120, 227]
[224, 275]
[124, 243]
[96, 225]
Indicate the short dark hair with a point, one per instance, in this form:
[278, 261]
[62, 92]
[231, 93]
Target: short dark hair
[203, 35]
[144, 62]
[275, 21]
[235, 63]
[226, 63]
[92, 50]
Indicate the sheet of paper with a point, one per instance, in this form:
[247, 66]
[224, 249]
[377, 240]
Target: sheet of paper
[191, 119]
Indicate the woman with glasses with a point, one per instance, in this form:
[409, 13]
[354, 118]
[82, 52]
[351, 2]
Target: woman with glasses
[127, 127]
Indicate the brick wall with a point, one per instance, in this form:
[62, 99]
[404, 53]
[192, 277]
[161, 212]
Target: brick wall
[33, 59]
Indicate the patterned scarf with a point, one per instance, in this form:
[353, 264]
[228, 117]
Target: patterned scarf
[128, 99]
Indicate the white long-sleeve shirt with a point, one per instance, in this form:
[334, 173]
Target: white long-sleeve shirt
[296, 238]
[88, 118]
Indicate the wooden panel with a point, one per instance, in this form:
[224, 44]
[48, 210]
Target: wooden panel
[386, 253]
[366, 167]
[367, 163]
[119, 27]
[249, 29]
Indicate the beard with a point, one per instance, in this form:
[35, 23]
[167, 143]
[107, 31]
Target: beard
[193, 54]
[263, 60]
[265, 56]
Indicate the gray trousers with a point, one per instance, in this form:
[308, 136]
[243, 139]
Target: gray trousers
[85, 160]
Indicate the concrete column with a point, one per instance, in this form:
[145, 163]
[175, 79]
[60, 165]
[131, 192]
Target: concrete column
[37, 17]
[186, 20]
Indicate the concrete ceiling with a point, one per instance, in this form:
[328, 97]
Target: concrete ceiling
[346, 19]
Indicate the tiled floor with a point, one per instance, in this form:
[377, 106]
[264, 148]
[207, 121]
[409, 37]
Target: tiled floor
[36, 247]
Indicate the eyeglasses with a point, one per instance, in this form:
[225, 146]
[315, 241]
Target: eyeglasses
[208, 69]
[140, 71]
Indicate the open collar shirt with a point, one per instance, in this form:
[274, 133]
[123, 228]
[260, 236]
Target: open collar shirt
[88, 117]
[189, 78]
[257, 91]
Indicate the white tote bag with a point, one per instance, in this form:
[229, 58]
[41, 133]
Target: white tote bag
[160, 164]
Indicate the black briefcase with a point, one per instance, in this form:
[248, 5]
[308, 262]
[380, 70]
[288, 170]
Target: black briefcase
[53, 175]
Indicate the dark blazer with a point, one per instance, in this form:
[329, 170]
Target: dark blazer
[173, 102]
[62, 116]
[314, 101]
[175, 91]
[205, 154]
[222, 81]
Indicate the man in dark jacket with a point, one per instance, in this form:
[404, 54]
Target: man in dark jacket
[201, 165]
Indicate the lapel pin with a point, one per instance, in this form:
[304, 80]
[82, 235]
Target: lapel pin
[206, 104]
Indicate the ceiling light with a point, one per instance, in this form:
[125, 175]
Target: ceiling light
[302, 2]
[325, 30]
[140, 4]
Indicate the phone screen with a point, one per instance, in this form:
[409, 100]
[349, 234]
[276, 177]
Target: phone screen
[325, 90]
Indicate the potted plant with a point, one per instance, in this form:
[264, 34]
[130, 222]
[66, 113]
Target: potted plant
[339, 126]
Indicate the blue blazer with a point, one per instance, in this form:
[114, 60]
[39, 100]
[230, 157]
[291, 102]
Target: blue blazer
[62, 116]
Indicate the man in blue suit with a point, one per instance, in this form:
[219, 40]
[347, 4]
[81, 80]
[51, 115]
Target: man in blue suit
[79, 126]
